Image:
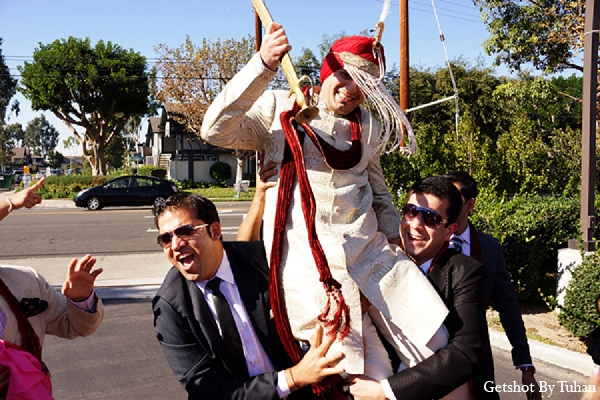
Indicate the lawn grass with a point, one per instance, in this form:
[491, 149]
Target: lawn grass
[223, 194]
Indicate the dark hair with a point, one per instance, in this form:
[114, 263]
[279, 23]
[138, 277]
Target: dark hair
[468, 185]
[203, 208]
[443, 189]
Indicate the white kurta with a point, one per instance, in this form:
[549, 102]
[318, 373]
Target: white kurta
[354, 217]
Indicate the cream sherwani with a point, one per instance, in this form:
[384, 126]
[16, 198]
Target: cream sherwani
[354, 218]
[62, 318]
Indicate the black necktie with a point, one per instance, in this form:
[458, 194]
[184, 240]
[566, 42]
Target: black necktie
[231, 337]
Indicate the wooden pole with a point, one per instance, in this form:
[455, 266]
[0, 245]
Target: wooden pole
[404, 64]
[588, 129]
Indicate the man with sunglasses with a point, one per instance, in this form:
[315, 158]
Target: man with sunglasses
[499, 290]
[211, 314]
[432, 207]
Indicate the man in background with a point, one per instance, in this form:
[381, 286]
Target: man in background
[499, 292]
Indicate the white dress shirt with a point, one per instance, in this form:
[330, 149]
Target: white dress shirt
[257, 360]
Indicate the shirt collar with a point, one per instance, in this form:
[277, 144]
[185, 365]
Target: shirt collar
[466, 235]
[224, 272]
[425, 266]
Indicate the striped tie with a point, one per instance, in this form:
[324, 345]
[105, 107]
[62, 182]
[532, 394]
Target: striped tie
[456, 243]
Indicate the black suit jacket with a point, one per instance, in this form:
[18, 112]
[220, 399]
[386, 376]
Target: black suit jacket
[500, 293]
[190, 339]
[460, 282]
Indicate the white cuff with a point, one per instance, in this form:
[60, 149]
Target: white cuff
[387, 389]
[282, 387]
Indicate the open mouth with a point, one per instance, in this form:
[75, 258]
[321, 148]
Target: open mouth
[415, 237]
[186, 260]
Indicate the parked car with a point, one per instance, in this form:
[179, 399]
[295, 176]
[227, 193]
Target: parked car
[40, 175]
[126, 191]
[17, 176]
[53, 171]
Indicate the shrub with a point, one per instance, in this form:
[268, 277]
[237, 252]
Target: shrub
[220, 172]
[579, 313]
[531, 229]
[150, 170]
[159, 173]
[250, 176]
[189, 184]
[68, 186]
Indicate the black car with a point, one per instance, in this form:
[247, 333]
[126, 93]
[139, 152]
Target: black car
[126, 191]
[17, 176]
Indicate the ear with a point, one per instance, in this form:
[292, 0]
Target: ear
[215, 230]
[471, 205]
[450, 229]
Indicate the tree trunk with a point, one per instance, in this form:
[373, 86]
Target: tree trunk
[97, 161]
[239, 174]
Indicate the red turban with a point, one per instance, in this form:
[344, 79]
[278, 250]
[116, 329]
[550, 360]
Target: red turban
[354, 50]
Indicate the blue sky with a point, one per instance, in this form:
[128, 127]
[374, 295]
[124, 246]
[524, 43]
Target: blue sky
[141, 25]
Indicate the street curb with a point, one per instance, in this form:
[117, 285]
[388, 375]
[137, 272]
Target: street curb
[568, 359]
[144, 292]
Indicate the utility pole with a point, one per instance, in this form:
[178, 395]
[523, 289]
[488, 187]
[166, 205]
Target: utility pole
[404, 65]
[588, 129]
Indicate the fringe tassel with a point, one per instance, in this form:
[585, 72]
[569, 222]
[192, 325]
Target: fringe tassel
[391, 116]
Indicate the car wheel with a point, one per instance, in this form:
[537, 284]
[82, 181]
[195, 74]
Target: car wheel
[93, 204]
[158, 201]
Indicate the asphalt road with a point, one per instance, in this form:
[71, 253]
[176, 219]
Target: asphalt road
[41, 232]
[123, 360]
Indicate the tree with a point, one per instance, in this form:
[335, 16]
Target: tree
[547, 34]
[6, 145]
[40, 136]
[115, 151]
[55, 159]
[94, 88]
[190, 77]
[8, 87]
[17, 133]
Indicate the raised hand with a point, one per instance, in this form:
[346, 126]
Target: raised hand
[274, 45]
[265, 172]
[80, 278]
[28, 197]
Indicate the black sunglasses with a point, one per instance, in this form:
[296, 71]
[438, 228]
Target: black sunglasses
[184, 232]
[430, 218]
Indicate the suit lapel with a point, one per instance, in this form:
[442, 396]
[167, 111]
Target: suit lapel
[437, 274]
[202, 313]
[475, 245]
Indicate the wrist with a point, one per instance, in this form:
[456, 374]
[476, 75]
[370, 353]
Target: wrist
[529, 368]
[10, 204]
[290, 380]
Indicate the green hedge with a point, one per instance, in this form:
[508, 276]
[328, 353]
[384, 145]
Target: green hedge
[531, 229]
[220, 172]
[68, 186]
[578, 314]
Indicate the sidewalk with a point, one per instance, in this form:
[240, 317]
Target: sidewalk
[138, 277]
